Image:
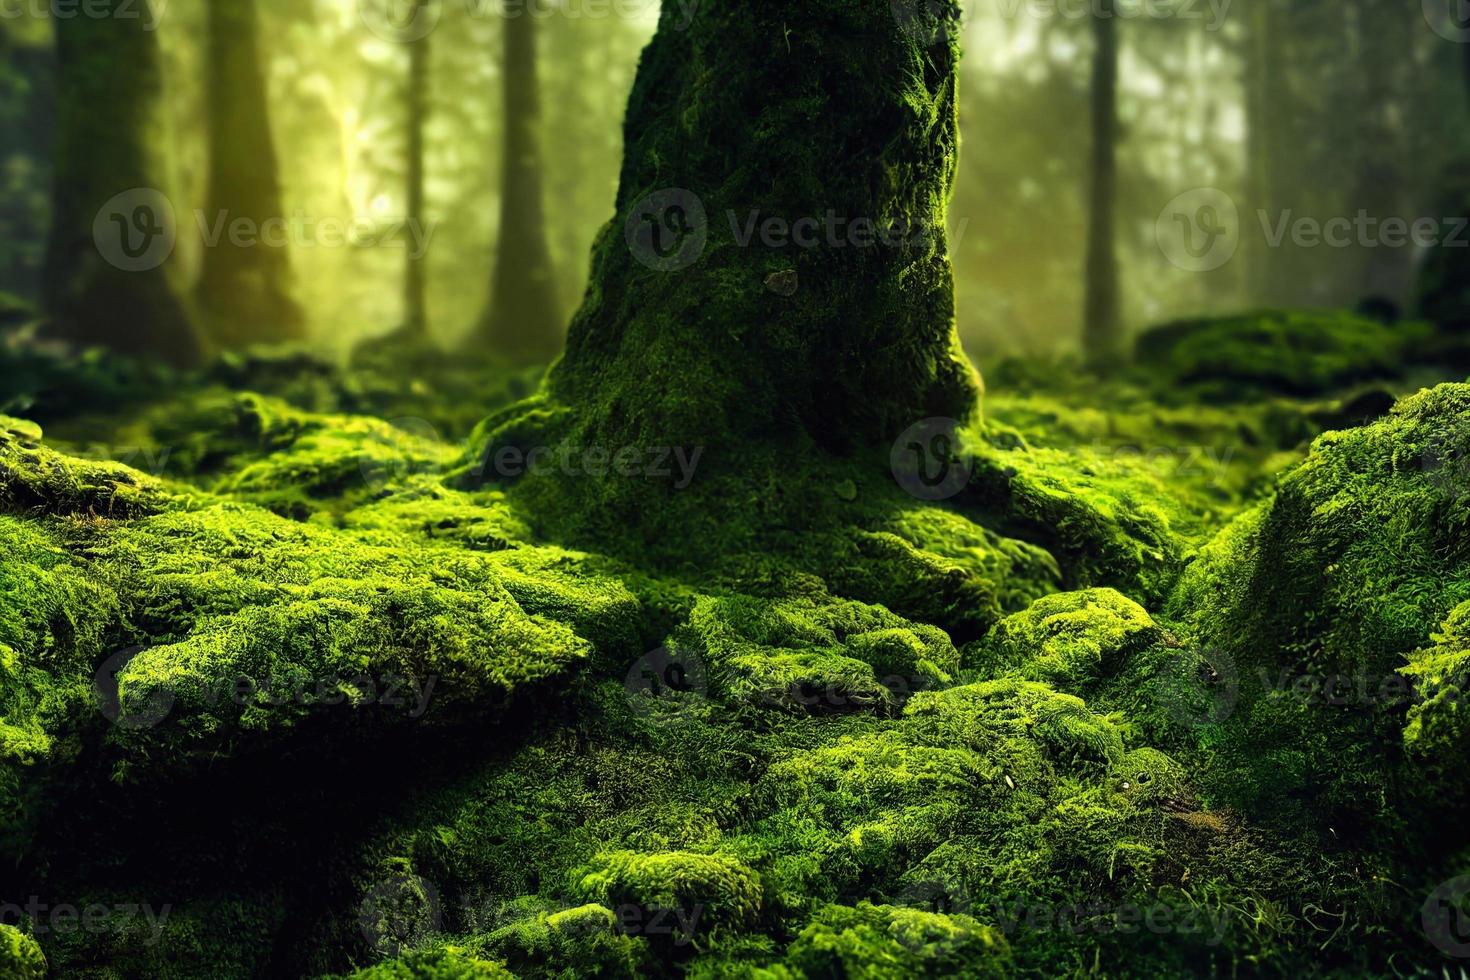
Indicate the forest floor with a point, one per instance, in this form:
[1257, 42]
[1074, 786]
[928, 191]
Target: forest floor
[1164, 679]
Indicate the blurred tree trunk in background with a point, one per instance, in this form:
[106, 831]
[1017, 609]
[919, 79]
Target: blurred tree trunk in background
[1102, 325]
[1444, 280]
[104, 281]
[1382, 40]
[523, 322]
[415, 276]
[1267, 101]
[244, 288]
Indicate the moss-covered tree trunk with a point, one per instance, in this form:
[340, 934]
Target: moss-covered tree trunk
[522, 322]
[1102, 323]
[112, 228]
[777, 265]
[244, 288]
[415, 274]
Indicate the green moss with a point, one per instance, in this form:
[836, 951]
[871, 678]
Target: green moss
[1317, 599]
[1299, 353]
[20, 957]
[815, 654]
[873, 942]
[1069, 639]
[436, 965]
[568, 943]
[1438, 724]
[719, 889]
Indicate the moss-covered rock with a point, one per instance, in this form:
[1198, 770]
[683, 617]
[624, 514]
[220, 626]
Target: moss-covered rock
[1317, 602]
[1299, 353]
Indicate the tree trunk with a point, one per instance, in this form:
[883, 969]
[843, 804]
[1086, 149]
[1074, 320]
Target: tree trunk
[522, 322]
[777, 268]
[415, 276]
[1444, 280]
[244, 289]
[1268, 99]
[112, 228]
[1103, 338]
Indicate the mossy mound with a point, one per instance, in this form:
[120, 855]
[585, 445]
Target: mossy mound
[1300, 353]
[447, 965]
[1315, 603]
[875, 941]
[204, 629]
[1069, 639]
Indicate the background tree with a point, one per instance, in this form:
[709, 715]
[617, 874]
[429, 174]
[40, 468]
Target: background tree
[244, 288]
[1103, 338]
[1444, 281]
[108, 86]
[415, 276]
[523, 321]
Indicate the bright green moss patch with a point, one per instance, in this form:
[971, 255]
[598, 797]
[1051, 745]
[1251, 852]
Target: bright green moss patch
[721, 888]
[1067, 639]
[873, 942]
[438, 965]
[20, 957]
[1439, 722]
[815, 654]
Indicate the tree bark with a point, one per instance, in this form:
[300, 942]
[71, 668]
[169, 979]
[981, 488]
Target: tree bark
[104, 282]
[1103, 339]
[705, 323]
[1444, 279]
[415, 277]
[523, 322]
[244, 288]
